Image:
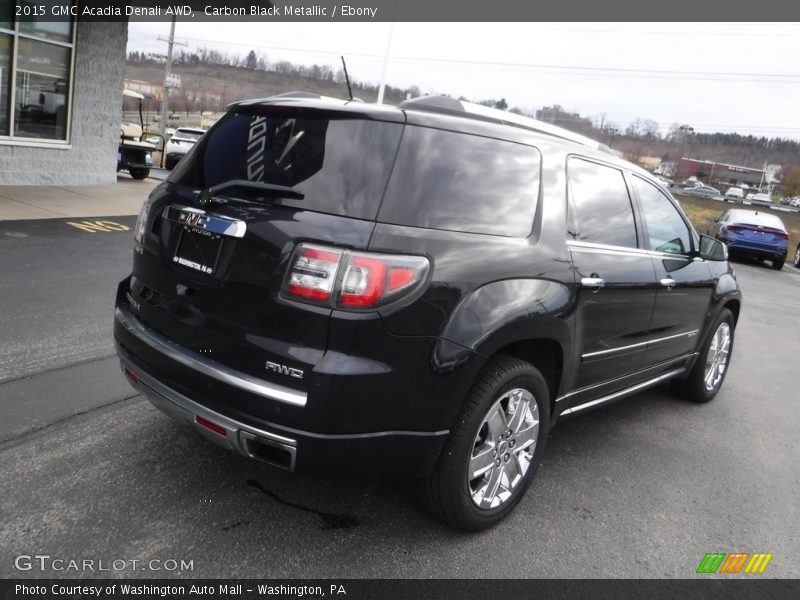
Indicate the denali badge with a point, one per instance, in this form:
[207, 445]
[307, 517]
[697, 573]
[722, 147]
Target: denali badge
[284, 370]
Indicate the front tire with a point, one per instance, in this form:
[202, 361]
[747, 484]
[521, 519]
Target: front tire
[709, 370]
[139, 172]
[494, 448]
[797, 256]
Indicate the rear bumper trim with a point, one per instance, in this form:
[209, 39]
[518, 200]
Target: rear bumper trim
[237, 436]
[206, 366]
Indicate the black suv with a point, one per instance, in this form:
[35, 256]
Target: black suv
[418, 291]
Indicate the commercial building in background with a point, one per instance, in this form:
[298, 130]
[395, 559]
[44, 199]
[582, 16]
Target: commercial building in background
[60, 100]
[711, 171]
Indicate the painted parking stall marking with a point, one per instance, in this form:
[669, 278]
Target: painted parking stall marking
[98, 226]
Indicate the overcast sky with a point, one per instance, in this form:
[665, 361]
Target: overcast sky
[712, 76]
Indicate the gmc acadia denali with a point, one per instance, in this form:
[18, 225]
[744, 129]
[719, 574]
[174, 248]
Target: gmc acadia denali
[418, 290]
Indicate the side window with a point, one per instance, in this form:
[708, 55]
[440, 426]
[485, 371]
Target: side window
[665, 226]
[602, 205]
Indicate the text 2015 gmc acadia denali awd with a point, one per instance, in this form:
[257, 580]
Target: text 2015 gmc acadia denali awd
[418, 290]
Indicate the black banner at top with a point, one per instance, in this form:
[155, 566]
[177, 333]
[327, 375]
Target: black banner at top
[408, 10]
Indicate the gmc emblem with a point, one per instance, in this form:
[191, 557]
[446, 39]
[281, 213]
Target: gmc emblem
[193, 218]
[284, 370]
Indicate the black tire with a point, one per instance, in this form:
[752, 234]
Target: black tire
[694, 387]
[797, 256]
[447, 493]
[170, 163]
[777, 263]
[139, 172]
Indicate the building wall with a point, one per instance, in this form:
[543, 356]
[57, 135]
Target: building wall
[96, 114]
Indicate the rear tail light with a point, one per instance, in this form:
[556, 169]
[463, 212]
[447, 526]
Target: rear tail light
[313, 273]
[782, 234]
[352, 280]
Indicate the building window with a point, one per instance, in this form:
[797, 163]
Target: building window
[36, 63]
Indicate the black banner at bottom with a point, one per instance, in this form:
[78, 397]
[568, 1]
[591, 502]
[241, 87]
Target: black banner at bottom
[389, 589]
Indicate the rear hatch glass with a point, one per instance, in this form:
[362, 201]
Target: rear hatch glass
[340, 164]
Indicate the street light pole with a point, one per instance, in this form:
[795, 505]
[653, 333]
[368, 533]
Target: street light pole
[613, 131]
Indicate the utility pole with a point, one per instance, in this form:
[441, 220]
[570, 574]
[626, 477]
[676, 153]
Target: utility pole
[385, 68]
[686, 130]
[162, 125]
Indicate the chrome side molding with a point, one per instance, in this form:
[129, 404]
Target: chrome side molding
[626, 392]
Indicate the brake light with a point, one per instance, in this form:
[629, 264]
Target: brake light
[352, 280]
[782, 234]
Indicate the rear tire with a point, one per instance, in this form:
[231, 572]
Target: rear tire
[797, 256]
[777, 263]
[709, 370]
[500, 435]
[139, 173]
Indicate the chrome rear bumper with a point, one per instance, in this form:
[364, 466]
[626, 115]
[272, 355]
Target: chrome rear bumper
[244, 439]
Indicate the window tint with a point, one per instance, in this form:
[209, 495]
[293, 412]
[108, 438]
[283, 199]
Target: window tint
[603, 208]
[461, 182]
[666, 228]
[341, 165]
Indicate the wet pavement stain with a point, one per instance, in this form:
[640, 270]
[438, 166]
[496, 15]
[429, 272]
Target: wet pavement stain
[330, 520]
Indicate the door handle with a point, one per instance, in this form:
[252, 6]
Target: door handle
[668, 282]
[593, 282]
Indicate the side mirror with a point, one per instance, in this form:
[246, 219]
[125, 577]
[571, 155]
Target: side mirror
[711, 249]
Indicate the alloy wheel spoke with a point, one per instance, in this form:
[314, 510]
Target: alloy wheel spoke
[710, 376]
[492, 487]
[526, 437]
[521, 409]
[511, 470]
[497, 422]
[482, 460]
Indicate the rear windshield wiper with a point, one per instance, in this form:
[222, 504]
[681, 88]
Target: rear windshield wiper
[264, 189]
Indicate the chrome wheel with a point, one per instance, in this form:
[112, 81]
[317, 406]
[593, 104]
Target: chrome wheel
[797, 257]
[503, 448]
[717, 357]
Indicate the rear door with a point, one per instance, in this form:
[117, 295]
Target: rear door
[616, 279]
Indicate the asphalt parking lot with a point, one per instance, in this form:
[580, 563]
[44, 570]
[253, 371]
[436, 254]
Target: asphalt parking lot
[642, 488]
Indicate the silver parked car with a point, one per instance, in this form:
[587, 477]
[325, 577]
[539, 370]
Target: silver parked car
[704, 191]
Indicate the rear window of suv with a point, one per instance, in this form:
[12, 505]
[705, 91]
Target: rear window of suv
[463, 182]
[340, 164]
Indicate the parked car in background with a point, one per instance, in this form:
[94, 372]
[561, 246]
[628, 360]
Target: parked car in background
[761, 199]
[753, 234]
[734, 194]
[704, 191]
[797, 256]
[399, 290]
[180, 143]
[687, 183]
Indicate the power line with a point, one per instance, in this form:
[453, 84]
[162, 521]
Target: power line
[557, 68]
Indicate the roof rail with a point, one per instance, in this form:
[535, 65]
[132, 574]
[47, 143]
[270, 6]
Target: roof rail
[445, 104]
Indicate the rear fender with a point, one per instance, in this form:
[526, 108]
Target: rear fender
[505, 312]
